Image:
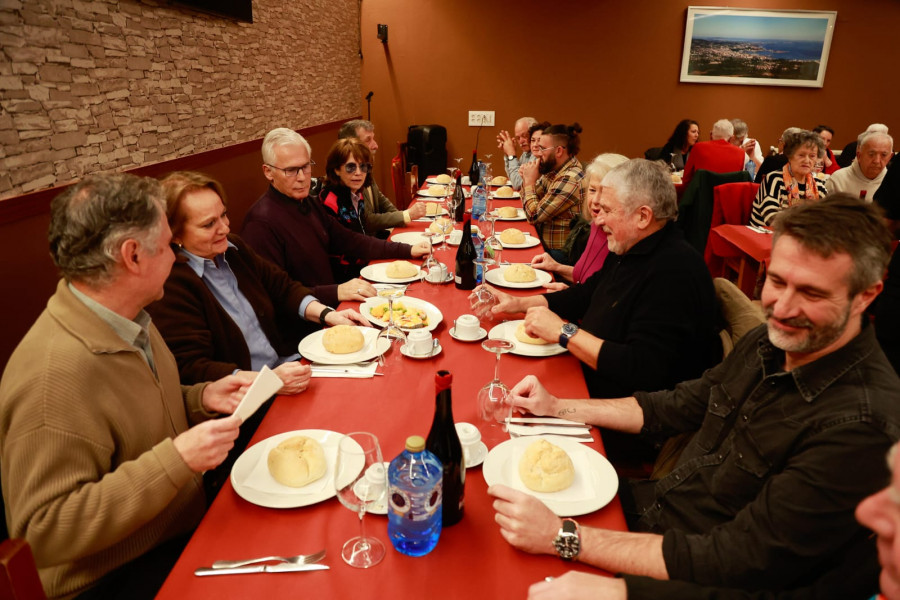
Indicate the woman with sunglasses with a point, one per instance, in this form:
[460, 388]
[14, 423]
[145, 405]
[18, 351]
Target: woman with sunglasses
[348, 178]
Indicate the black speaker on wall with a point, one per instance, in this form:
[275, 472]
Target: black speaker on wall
[426, 146]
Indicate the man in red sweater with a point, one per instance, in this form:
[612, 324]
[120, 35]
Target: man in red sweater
[717, 155]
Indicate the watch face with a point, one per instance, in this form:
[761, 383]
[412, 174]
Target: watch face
[569, 329]
[567, 545]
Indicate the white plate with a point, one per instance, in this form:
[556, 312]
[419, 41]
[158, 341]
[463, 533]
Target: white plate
[515, 196]
[414, 237]
[599, 479]
[481, 333]
[427, 195]
[311, 348]
[530, 242]
[285, 497]
[507, 331]
[405, 352]
[520, 216]
[496, 277]
[435, 316]
[377, 272]
[432, 179]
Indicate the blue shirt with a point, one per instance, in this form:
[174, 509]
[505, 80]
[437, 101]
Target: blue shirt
[220, 280]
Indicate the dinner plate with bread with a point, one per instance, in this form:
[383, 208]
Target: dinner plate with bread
[434, 191]
[442, 179]
[569, 477]
[510, 213]
[398, 271]
[505, 193]
[516, 238]
[525, 345]
[409, 313]
[288, 470]
[519, 276]
[342, 345]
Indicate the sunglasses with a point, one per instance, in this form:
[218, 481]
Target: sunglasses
[351, 167]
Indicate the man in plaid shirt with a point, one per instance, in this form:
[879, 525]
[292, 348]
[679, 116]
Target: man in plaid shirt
[552, 186]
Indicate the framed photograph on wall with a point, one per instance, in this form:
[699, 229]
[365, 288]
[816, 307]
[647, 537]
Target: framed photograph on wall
[756, 47]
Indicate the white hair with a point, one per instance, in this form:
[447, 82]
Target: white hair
[873, 128]
[874, 136]
[527, 120]
[281, 136]
[722, 129]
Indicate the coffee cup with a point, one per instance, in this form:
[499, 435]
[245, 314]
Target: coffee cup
[419, 341]
[469, 437]
[455, 237]
[373, 484]
[437, 274]
[466, 327]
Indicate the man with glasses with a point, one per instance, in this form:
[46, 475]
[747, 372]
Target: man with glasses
[552, 187]
[294, 231]
[508, 143]
[380, 212]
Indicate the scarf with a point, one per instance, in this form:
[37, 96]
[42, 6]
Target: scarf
[810, 191]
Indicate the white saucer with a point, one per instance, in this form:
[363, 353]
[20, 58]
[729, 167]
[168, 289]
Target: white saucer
[481, 333]
[408, 354]
[480, 453]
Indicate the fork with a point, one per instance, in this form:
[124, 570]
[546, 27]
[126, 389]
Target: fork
[302, 559]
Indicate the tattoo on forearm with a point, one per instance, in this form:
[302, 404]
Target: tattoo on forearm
[566, 411]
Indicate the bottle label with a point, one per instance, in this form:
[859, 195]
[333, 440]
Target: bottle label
[406, 507]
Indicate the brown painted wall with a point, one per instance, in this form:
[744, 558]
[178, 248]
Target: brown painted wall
[613, 66]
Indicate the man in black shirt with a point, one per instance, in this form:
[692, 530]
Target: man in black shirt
[790, 432]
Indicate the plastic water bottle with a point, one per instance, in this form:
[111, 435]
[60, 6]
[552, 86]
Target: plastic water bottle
[479, 252]
[479, 201]
[415, 479]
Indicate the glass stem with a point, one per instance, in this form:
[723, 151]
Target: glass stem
[362, 523]
[497, 368]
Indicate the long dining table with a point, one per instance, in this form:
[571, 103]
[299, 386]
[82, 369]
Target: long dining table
[471, 560]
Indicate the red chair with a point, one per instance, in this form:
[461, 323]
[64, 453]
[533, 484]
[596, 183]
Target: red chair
[732, 204]
[18, 575]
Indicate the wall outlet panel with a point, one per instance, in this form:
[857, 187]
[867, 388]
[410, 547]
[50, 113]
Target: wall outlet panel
[479, 118]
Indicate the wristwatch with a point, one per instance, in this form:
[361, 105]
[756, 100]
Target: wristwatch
[324, 314]
[510, 158]
[568, 540]
[566, 332]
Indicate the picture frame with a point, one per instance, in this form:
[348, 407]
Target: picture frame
[742, 46]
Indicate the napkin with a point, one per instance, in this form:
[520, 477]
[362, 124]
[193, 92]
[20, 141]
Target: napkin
[261, 480]
[352, 371]
[262, 388]
[522, 430]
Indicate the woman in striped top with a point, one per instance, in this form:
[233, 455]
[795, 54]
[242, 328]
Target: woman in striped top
[795, 183]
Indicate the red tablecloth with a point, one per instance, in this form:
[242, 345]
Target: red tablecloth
[471, 560]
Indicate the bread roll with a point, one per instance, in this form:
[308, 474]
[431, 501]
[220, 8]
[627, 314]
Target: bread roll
[343, 339]
[527, 339]
[546, 467]
[297, 461]
[512, 236]
[437, 190]
[504, 192]
[499, 180]
[443, 178]
[508, 212]
[519, 273]
[401, 269]
[441, 225]
[432, 209]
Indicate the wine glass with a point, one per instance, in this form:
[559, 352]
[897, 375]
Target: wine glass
[671, 165]
[430, 262]
[482, 300]
[358, 462]
[391, 331]
[493, 408]
[493, 242]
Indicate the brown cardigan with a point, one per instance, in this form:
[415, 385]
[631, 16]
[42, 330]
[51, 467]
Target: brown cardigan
[206, 342]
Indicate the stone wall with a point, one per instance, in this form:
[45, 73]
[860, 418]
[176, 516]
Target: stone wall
[95, 85]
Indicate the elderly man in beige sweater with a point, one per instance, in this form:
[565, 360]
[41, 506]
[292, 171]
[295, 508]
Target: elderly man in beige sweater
[101, 466]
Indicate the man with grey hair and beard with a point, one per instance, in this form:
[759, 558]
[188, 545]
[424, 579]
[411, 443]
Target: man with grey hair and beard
[381, 214]
[790, 431]
[102, 450]
[509, 143]
[717, 155]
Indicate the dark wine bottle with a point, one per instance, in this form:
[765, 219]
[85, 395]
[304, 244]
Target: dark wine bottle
[459, 199]
[443, 442]
[465, 258]
[474, 171]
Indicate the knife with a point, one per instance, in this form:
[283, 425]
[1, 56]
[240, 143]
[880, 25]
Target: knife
[279, 568]
[347, 371]
[548, 422]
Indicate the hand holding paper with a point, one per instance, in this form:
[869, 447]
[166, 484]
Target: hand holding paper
[266, 384]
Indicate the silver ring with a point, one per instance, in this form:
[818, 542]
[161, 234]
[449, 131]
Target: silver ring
[359, 291]
[549, 578]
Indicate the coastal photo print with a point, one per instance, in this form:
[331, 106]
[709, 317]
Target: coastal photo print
[757, 47]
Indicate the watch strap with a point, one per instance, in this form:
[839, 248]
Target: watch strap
[324, 314]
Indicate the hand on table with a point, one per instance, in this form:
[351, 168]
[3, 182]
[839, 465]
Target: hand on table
[416, 210]
[419, 250]
[205, 446]
[356, 289]
[575, 585]
[506, 143]
[545, 261]
[224, 395]
[555, 286]
[529, 396]
[295, 376]
[346, 317]
[529, 172]
[541, 322]
[525, 522]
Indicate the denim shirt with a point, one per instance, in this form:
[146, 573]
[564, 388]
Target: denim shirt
[763, 497]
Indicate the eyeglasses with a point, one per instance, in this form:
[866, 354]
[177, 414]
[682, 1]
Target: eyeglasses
[351, 167]
[541, 149]
[294, 171]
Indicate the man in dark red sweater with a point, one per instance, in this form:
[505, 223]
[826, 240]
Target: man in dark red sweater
[717, 155]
